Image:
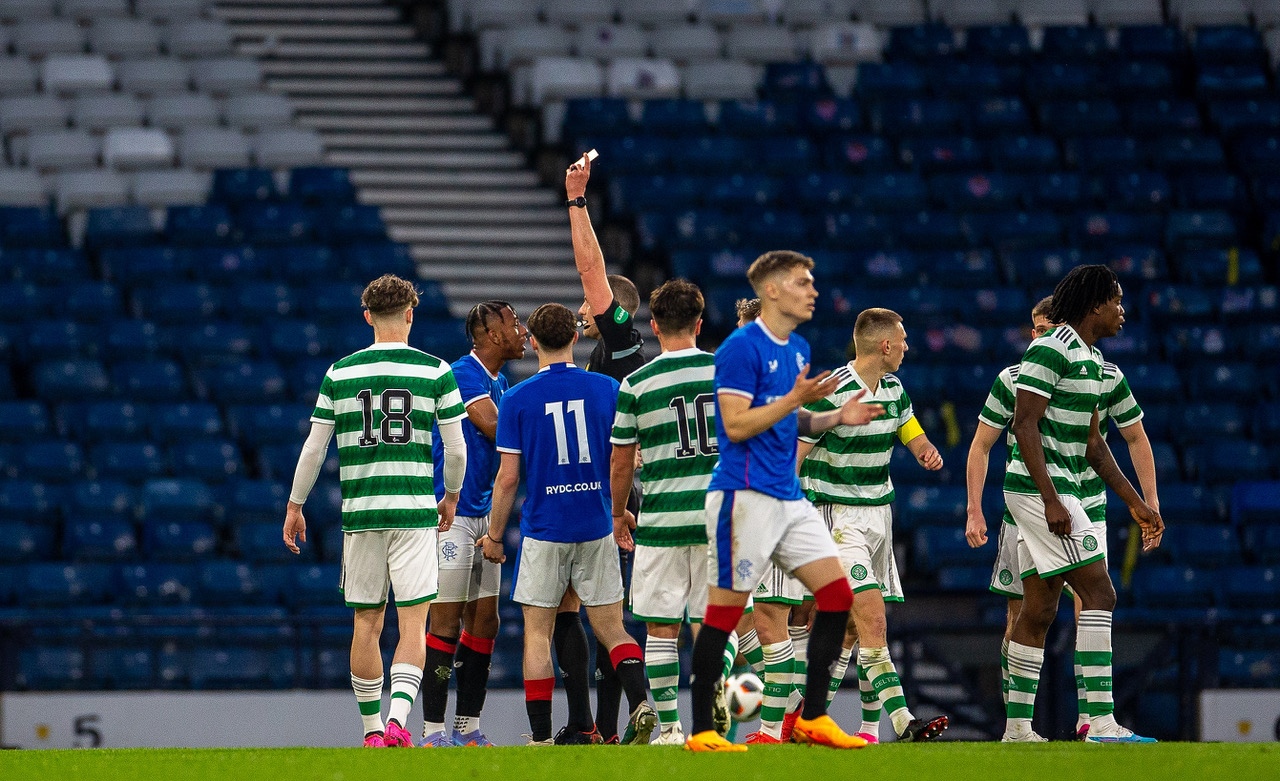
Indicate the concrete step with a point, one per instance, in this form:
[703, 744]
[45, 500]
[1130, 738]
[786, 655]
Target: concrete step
[295, 3]
[284, 15]
[458, 198]
[481, 234]
[490, 255]
[469, 141]
[325, 32]
[366, 86]
[421, 123]
[332, 69]
[479, 180]
[345, 105]
[431, 160]
[418, 215]
[334, 50]
[552, 291]
[508, 274]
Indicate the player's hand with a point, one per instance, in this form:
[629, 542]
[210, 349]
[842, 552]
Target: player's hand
[855, 413]
[807, 390]
[295, 527]
[975, 529]
[1151, 524]
[930, 459]
[446, 509]
[1059, 520]
[576, 176]
[491, 548]
[622, 526]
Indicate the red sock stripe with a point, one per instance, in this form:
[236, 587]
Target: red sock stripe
[835, 597]
[539, 689]
[625, 651]
[441, 644]
[722, 617]
[478, 644]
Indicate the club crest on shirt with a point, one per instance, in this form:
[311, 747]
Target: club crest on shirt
[892, 409]
[773, 366]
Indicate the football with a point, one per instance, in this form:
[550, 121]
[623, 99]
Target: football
[745, 694]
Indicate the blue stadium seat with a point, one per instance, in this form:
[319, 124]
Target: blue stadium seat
[271, 224]
[150, 380]
[998, 43]
[1229, 461]
[127, 461]
[143, 265]
[330, 540]
[64, 585]
[234, 667]
[314, 585]
[1228, 44]
[211, 460]
[1061, 81]
[227, 263]
[1239, 117]
[52, 461]
[921, 506]
[321, 185]
[964, 578]
[1257, 669]
[930, 230]
[673, 117]
[273, 424]
[122, 668]
[20, 542]
[1249, 304]
[25, 421]
[369, 259]
[1183, 503]
[598, 116]
[741, 190]
[893, 268]
[1199, 422]
[1142, 80]
[178, 542]
[254, 501]
[1060, 192]
[1205, 229]
[227, 582]
[59, 340]
[945, 546]
[758, 118]
[959, 268]
[100, 499]
[57, 381]
[943, 153]
[1100, 154]
[1018, 230]
[1189, 152]
[921, 41]
[1074, 43]
[858, 153]
[1154, 382]
[1026, 153]
[154, 585]
[118, 226]
[88, 302]
[791, 80]
[1147, 117]
[1151, 43]
[1248, 586]
[1256, 502]
[1201, 546]
[1155, 586]
[833, 115]
[260, 543]
[977, 192]
[1195, 341]
[50, 667]
[234, 186]
[891, 192]
[1080, 117]
[47, 266]
[1040, 267]
[354, 222]
[1227, 381]
[1235, 266]
[785, 227]
[245, 383]
[999, 114]
[22, 302]
[782, 155]
[182, 500]
[29, 226]
[1212, 191]
[878, 80]
[193, 226]
[219, 342]
[1183, 303]
[172, 423]
[1231, 81]
[99, 540]
[919, 116]
[130, 339]
[257, 301]
[178, 304]
[1266, 421]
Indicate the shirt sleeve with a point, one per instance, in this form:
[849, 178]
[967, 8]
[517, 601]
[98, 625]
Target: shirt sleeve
[736, 369]
[507, 437]
[624, 420]
[470, 385]
[997, 411]
[617, 328]
[905, 410]
[1042, 367]
[1120, 403]
[323, 412]
[448, 399]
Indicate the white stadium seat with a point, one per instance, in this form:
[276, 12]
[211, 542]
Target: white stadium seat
[808, 13]
[22, 187]
[136, 147]
[76, 73]
[1118, 13]
[93, 9]
[288, 148]
[48, 36]
[575, 13]
[25, 10]
[257, 110]
[523, 45]
[62, 150]
[91, 190]
[687, 43]
[892, 13]
[502, 13]
[765, 43]
[1265, 12]
[226, 75]
[730, 12]
[1206, 13]
[169, 10]
[722, 80]
[213, 147]
[641, 78]
[610, 41]
[124, 38]
[1049, 13]
[846, 43]
[565, 77]
[18, 76]
[970, 13]
[183, 110]
[159, 76]
[25, 113]
[654, 12]
[100, 112]
[179, 187]
[198, 38]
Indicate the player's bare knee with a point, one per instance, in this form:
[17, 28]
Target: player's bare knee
[663, 631]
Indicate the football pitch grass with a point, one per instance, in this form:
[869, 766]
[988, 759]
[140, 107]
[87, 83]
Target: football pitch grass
[958, 761]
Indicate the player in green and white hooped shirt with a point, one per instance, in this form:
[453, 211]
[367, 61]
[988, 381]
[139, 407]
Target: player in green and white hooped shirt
[666, 409]
[845, 472]
[382, 401]
[1057, 438]
[1117, 403]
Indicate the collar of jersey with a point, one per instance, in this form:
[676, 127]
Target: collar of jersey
[387, 346]
[681, 353]
[853, 375]
[774, 337]
[558, 366]
[476, 358]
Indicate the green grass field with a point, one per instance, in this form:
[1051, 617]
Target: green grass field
[959, 761]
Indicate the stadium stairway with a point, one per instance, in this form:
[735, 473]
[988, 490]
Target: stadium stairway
[447, 181]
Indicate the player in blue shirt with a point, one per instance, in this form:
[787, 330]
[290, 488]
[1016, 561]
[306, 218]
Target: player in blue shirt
[469, 585]
[558, 424]
[756, 511]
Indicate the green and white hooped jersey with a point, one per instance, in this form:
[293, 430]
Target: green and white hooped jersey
[850, 464]
[1116, 403]
[383, 401]
[1066, 371]
[668, 407]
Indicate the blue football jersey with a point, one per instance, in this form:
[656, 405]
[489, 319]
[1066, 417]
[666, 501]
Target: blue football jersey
[474, 382]
[559, 421]
[755, 364]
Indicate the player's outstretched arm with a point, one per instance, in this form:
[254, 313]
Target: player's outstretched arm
[587, 255]
[1027, 412]
[622, 471]
[1144, 462]
[853, 413]
[504, 498]
[304, 479]
[1104, 463]
[742, 421]
[975, 479]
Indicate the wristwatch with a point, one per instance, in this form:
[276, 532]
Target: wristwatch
[580, 202]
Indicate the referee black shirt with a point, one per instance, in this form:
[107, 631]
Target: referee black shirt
[618, 352]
